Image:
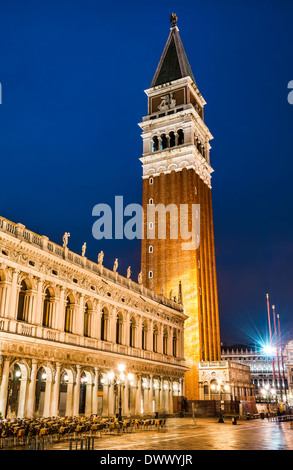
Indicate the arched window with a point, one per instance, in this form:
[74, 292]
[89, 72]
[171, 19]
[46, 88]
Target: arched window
[174, 345]
[155, 144]
[103, 325]
[164, 142]
[165, 342]
[119, 328]
[172, 139]
[22, 302]
[144, 336]
[86, 322]
[47, 306]
[132, 333]
[180, 137]
[68, 324]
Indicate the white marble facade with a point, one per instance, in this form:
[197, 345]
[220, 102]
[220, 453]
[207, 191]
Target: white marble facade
[66, 326]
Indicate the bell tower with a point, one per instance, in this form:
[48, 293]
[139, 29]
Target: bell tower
[177, 173]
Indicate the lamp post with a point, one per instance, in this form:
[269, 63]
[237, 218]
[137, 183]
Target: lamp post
[120, 378]
[269, 393]
[220, 388]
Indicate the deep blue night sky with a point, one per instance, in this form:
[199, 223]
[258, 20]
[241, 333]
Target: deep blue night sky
[73, 76]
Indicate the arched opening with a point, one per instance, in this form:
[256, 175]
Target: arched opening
[22, 302]
[132, 326]
[86, 321]
[155, 338]
[47, 309]
[82, 393]
[180, 137]
[164, 142]
[155, 144]
[119, 325]
[165, 341]
[14, 384]
[172, 139]
[40, 392]
[69, 311]
[104, 320]
[66, 385]
[144, 337]
[101, 383]
[174, 345]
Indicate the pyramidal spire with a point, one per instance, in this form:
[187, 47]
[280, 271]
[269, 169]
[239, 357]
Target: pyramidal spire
[174, 63]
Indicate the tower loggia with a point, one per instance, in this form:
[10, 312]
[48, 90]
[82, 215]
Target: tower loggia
[177, 172]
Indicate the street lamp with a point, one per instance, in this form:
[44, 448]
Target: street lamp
[120, 378]
[220, 388]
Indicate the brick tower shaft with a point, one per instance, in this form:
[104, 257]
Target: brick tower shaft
[177, 198]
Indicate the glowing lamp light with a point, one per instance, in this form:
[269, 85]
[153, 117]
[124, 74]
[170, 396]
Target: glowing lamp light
[66, 378]
[213, 387]
[18, 373]
[121, 368]
[44, 376]
[111, 375]
[227, 388]
[268, 350]
[130, 376]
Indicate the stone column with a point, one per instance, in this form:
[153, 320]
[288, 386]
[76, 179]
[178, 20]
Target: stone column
[13, 296]
[4, 386]
[5, 312]
[3, 297]
[111, 399]
[56, 389]
[48, 394]
[38, 317]
[125, 408]
[171, 397]
[76, 392]
[127, 326]
[161, 405]
[69, 397]
[97, 322]
[105, 410]
[79, 317]
[138, 396]
[88, 399]
[151, 395]
[32, 390]
[95, 391]
[61, 310]
[21, 397]
[138, 333]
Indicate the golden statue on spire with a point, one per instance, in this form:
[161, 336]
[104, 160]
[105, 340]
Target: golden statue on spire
[173, 19]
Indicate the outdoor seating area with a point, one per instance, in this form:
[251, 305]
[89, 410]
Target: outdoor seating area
[21, 432]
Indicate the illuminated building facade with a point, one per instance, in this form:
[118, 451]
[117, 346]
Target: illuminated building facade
[67, 323]
[261, 367]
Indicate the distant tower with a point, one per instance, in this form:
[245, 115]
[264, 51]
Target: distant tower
[176, 170]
